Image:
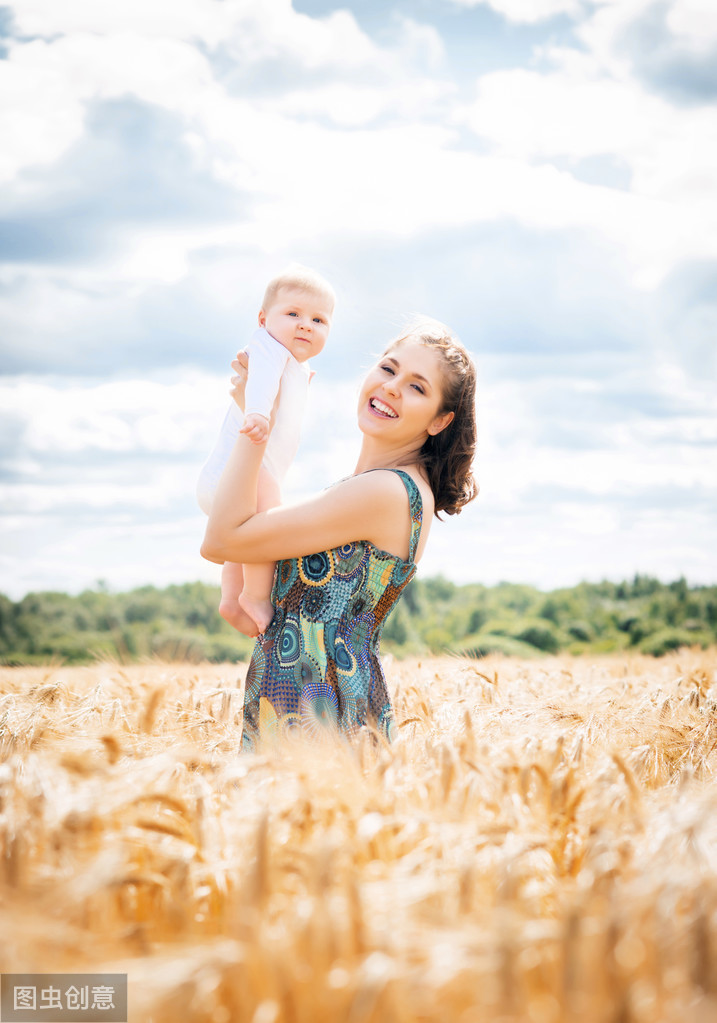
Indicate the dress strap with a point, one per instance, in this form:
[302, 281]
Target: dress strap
[416, 505]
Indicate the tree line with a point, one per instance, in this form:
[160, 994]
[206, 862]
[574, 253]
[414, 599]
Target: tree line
[435, 616]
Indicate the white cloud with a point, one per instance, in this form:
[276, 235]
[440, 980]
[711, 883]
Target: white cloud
[207, 20]
[40, 113]
[352, 106]
[250, 31]
[568, 542]
[46, 87]
[398, 193]
[591, 107]
[419, 43]
[307, 178]
[130, 416]
[628, 454]
[694, 21]
[303, 175]
[578, 114]
[616, 27]
[527, 11]
[148, 49]
[547, 513]
[50, 551]
[529, 113]
[342, 148]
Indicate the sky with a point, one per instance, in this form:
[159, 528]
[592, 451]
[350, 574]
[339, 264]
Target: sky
[541, 175]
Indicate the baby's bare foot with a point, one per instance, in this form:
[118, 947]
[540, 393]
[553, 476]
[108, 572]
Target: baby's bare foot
[260, 610]
[231, 612]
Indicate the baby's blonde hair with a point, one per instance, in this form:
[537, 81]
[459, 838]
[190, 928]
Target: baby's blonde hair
[298, 276]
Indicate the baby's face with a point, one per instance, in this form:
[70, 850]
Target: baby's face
[299, 320]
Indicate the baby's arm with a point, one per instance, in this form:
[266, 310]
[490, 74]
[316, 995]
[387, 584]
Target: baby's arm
[267, 360]
[256, 396]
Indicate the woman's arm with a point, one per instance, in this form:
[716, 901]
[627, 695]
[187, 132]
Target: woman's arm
[234, 499]
[240, 365]
[372, 506]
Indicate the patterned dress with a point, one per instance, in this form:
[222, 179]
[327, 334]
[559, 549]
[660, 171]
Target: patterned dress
[317, 665]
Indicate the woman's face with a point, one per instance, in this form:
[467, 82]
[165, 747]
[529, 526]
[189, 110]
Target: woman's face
[401, 397]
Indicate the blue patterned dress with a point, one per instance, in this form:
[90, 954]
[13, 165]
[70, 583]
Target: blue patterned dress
[317, 664]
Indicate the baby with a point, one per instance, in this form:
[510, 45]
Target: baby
[294, 322]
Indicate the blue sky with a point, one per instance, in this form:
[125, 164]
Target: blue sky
[539, 174]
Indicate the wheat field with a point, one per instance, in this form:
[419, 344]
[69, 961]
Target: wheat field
[539, 844]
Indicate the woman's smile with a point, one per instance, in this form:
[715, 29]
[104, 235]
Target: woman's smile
[382, 409]
[404, 389]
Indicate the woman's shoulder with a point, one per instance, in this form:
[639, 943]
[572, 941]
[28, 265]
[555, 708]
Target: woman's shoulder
[424, 489]
[383, 485]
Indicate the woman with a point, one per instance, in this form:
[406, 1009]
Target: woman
[318, 662]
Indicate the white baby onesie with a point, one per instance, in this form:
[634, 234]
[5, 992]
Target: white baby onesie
[272, 368]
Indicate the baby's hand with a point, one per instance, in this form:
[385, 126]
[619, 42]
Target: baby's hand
[256, 427]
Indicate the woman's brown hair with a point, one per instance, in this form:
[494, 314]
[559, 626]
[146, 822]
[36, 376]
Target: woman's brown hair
[447, 457]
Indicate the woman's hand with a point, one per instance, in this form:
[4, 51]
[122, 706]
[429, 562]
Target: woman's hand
[240, 365]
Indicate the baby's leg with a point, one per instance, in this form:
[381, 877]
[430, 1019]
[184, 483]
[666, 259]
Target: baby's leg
[214, 465]
[230, 608]
[259, 578]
